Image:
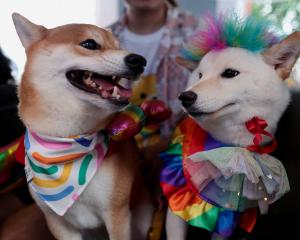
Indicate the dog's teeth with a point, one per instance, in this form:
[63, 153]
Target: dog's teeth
[87, 76]
[115, 92]
[88, 81]
[93, 84]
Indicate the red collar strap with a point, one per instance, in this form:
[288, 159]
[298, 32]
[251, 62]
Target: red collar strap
[256, 127]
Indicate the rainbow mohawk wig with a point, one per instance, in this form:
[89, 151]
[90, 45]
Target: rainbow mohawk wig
[217, 33]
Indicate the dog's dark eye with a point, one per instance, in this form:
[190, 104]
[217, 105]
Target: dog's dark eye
[90, 44]
[200, 75]
[230, 73]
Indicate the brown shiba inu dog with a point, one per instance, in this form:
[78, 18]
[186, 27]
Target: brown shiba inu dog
[70, 87]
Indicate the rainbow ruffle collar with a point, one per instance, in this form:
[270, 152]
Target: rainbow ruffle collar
[215, 186]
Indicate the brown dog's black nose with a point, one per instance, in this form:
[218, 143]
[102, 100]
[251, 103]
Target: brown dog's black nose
[188, 98]
[135, 63]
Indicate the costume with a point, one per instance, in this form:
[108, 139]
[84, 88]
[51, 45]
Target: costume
[210, 184]
[216, 186]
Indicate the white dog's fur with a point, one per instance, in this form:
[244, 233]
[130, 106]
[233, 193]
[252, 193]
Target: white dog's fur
[258, 90]
[51, 106]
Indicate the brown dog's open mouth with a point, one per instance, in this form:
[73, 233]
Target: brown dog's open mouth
[107, 87]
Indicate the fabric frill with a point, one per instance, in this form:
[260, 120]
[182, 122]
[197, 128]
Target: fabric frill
[215, 186]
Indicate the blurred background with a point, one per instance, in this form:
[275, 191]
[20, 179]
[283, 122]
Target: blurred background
[284, 13]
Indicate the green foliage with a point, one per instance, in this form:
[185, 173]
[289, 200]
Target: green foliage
[284, 13]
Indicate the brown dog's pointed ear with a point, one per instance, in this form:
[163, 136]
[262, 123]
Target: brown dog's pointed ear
[28, 32]
[190, 65]
[284, 54]
[109, 30]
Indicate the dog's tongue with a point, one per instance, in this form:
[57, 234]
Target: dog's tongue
[108, 85]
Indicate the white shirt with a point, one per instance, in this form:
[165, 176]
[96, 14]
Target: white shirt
[145, 45]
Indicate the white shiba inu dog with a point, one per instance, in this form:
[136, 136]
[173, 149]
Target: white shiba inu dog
[70, 87]
[228, 87]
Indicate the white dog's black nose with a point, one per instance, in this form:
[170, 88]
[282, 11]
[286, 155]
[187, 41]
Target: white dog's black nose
[135, 63]
[188, 98]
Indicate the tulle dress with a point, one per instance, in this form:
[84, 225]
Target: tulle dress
[216, 186]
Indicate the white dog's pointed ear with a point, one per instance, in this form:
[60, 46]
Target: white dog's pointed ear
[284, 54]
[190, 65]
[28, 32]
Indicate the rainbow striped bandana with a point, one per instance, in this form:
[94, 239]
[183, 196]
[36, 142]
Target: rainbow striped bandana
[215, 186]
[59, 169]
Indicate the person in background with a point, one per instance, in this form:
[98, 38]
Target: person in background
[156, 29]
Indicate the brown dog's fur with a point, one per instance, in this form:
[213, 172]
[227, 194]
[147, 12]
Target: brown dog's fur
[51, 106]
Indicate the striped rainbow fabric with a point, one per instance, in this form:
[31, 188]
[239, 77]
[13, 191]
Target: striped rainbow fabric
[7, 163]
[7, 156]
[59, 169]
[183, 199]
